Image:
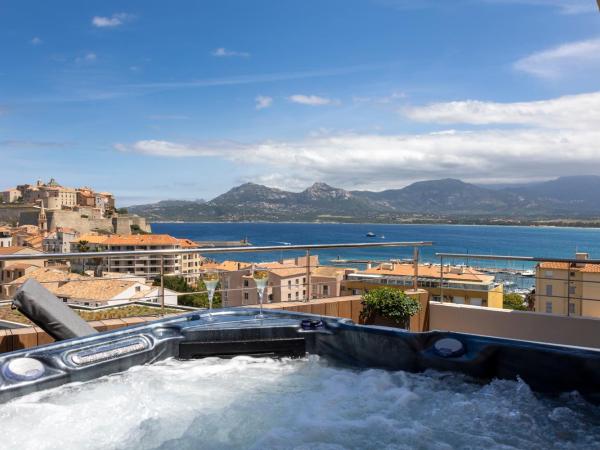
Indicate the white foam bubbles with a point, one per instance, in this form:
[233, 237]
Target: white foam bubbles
[306, 404]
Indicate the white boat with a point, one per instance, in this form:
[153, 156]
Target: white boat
[527, 273]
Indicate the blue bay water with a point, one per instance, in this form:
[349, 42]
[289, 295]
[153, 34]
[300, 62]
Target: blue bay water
[498, 240]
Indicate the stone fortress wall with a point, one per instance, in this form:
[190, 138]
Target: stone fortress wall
[74, 219]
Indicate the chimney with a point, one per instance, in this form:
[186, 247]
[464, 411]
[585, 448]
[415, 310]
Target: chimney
[581, 256]
[369, 265]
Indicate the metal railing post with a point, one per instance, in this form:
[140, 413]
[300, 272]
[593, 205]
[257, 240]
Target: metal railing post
[568, 290]
[308, 293]
[162, 284]
[441, 279]
[416, 268]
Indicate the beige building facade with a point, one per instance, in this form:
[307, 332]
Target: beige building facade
[568, 289]
[461, 285]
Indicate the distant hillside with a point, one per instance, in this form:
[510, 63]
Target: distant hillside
[567, 197]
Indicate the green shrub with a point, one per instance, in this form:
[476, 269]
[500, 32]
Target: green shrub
[514, 301]
[391, 303]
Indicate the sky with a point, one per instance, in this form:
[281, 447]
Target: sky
[160, 100]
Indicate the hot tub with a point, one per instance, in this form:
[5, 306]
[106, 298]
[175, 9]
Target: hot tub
[311, 382]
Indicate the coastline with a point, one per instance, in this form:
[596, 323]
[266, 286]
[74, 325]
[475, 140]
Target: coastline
[577, 225]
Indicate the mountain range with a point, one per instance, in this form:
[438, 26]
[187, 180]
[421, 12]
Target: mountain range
[565, 198]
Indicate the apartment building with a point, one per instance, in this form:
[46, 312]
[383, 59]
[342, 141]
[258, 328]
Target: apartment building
[51, 195]
[190, 262]
[462, 285]
[148, 266]
[6, 239]
[289, 280]
[11, 270]
[568, 289]
[60, 241]
[11, 195]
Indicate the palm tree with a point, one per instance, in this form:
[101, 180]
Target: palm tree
[83, 247]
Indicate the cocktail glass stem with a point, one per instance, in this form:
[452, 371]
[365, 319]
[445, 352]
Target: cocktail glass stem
[211, 294]
[261, 293]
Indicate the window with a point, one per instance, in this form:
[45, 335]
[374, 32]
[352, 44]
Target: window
[289, 283]
[289, 296]
[245, 296]
[304, 293]
[138, 288]
[571, 308]
[458, 300]
[549, 290]
[325, 290]
[572, 274]
[476, 301]
[549, 273]
[270, 298]
[245, 283]
[297, 281]
[549, 307]
[297, 295]
[572, 289]
[304, 280]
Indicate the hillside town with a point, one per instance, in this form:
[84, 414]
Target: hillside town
[42, 218]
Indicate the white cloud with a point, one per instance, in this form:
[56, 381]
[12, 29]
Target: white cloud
[177, 150]
[263, 102]
[572, 111]
[564, 6]
[557, 62]
[89, 57]
[36, 41]
[394, 97]
[223, 52]
[312, 100]
[546, 142]
[115, 20]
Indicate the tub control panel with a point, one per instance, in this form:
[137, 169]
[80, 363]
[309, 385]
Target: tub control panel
[107, 351]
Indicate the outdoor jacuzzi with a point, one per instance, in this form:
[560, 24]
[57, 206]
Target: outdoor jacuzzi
[294, 380]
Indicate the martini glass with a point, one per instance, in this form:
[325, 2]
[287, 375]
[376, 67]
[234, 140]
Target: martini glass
[261, 276]
[210, 279]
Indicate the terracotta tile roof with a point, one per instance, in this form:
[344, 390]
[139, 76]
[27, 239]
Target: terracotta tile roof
[66, 230]
[328, 271]
[430, 271]
[48, 275]
[228, 266]
[95, 289]
[580, 267]
[93, 238]
[187, 243]
[17, 266]
[142, 239]
[289, 272]
[17, 249]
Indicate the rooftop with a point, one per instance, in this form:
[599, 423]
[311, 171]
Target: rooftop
[100, 289]
[142, 240]
[48, 275]
[579, 267]
[430, 271]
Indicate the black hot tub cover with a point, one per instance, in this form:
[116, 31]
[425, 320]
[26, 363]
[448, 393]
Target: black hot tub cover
[49, 313]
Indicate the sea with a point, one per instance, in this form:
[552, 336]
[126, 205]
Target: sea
[560, 242]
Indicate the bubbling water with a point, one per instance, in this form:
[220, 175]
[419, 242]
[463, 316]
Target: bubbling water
[304, 404]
